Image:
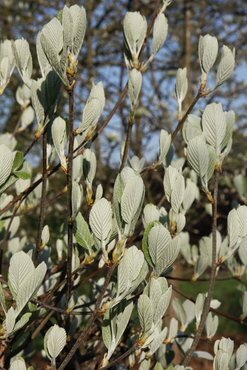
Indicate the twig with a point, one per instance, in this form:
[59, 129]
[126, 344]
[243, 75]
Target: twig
[43, 197]
[120, 358]
[83, 337]
[206, 307]
[127, 141]
[69, 194]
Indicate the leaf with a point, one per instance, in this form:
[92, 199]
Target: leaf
[159, 240]
[100, 219]
[134, 86]
[2, 299]
[59, 137]
[54, 341]
[165, 143]
[226, 65]
[6, 163]
[145, 313]
[212, 323]
[197, 154]
[20, 267]
[89, 166]
[181, 86]
[17, 363]
[162, 305]
[79, 27]
[131, 200]
[214, 125]
[191, 128]
[135, 29]
[177, 193]
[51, 40]
[45, 235]
[10, 320]
[77, 197]
[30, 286]
[129, 268]
[23, 321]
[233, 228]
[170, 177]
[208, 51]
[82, 233]
[160, 30]
[23, 60]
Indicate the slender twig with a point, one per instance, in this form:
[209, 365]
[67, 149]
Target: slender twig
[206, 307]
[181, 121]
[31, 145]
[127, 142]
[217, 312]
[69, 194]
[83, 337]
[43, 197]
[120, 358]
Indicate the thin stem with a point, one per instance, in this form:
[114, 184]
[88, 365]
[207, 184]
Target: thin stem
[43, 197]
[206, 307]
[120, 358]
[127, 142]
[69, 194]
[83, 337]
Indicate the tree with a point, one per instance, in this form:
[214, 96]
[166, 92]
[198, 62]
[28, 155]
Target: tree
[120, 230]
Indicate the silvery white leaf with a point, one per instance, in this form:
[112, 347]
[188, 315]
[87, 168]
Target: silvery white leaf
[10, 320]
[134, 86]
[59, 137]
[177, 193]
[226, 65]
[29, 286]
[160, 249]
[145, 313]
[214, 125]
[173, 330]
[27, 117]
[197, 154]
[212, 323]
[242, 215]
[37, 97]
[23, 60]
[7, 63]
[51, 39]
[181, 87]
[136, 164]
[131, 200]
[45, 235]
[199, 306]
[240, 182]
[79, 21]
[17, 363]
[151, 213]
[191, 128]
[6, 163]
[44, 64]
[20, 267]
[208, 51]
[135, 28]
[54, 341]
[241, 355]
[165, 142]
[23, 95]
[8, 140]
[160, 30]
[233, 228]
[191, 193]
[77, 196]
[170, 177]
[93, 108]
[100, 219]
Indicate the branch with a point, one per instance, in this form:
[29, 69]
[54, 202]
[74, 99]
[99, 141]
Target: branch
[69, 194]
[207, 302]
[43, 197]
[83, 337]
[127, 141]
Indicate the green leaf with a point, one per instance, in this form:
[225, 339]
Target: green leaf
[82, 233]
[18, 160]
